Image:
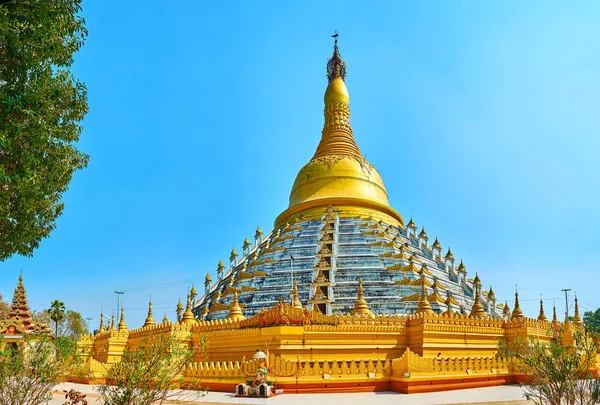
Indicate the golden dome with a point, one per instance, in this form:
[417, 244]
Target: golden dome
[338, 174]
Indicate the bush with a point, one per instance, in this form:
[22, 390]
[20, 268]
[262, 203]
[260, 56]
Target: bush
[29, 370]
[558, 371]
[149, 373]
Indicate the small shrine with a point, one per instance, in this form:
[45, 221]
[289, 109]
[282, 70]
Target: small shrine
[261, 385]
[19, 323]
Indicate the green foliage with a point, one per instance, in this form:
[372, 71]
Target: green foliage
[29, 371]
[558, 371]
[148, 373]
[41, 107]
[71, 325]
[57, 313]
[592, 320]
[4, 308]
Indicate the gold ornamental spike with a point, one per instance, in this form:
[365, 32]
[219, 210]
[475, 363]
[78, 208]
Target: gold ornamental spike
[517, 313]
[188, 315]
[424, 305]
[360, 305]
[506, 310]
[542, 315]
[576, 318]
[295, 300]
[122, 324]
[150, 318]
[235, 311]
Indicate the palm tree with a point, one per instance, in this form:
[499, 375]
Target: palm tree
[57, 313]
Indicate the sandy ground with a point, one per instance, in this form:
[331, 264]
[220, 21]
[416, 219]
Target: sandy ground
[502, 395]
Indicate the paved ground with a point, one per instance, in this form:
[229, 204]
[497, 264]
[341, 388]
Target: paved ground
[503, 395]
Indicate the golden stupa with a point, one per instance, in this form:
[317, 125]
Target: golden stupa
[297, 293]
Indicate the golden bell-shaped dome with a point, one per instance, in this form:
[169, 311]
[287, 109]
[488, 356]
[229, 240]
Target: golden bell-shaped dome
[338, 174]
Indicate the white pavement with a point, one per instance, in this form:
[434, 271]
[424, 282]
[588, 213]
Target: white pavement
[501, 394]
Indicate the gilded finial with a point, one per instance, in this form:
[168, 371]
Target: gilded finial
[220, 266]
[246, 244]
[122, 324]
[193, 292]
[423, 234]
[101, 328]
[542, 315]
[233, 254]
[436, 244]
[188, 315]
[258, 233]
[295, 299]
[506, 310]
[449, 255]
[424, 305]
[554, 317]
[150, 318]
[165, 320]
[112, 322]
[461, 267]
[411, 224]
[336, 67]
[477, 309]
[517, 313]
[576, 318]
[235, 311]
[491, 295]
[360, 305]
[207, 279]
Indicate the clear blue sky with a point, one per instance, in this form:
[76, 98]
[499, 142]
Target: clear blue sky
[482, 118]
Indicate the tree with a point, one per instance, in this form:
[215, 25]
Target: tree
[72, 325]
[557, 371]
[592, 320]
[4, 308]
[57, 313]
[41, 108]
[28, 372]
[147, 373]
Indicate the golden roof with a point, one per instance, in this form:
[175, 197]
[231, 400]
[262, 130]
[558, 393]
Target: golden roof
[258, 233]
[506, 309]
[193, 291]
[338, 174]
[246, 244]
[423, 234]
[435, 297]
[233, 254]
[449, 255]
[411, 224]
[207, 279]
[436, 244]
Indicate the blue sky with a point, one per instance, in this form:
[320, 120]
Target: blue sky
[480, 116]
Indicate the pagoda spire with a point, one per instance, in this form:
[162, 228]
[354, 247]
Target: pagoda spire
[188, 315]
[506, 310]
[424, 305]
[337, 136]
[101, 327]
[112, 322]
[235, 310]
[517, 313]
[19, 309]
[179, 310]
[150, 318]
[576, 318]
[295, 300]
[554, 317]
[165, 320]
[542, 315]
[360, 305]
[122, 324]
[477, 309]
